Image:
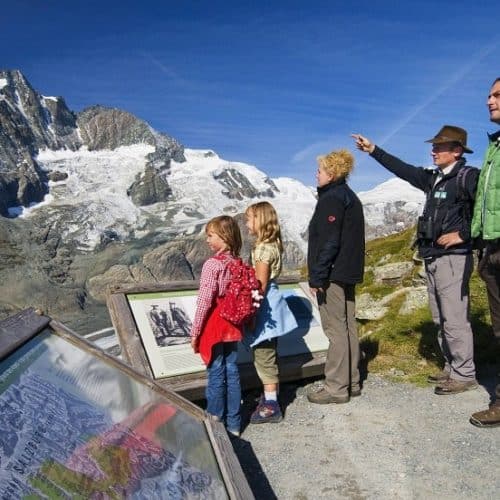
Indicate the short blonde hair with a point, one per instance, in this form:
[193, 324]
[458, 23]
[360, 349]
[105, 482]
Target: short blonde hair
[338, 163]
[268, 227]
[228, 230]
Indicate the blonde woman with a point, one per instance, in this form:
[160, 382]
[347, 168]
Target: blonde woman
[274, 318]
[336, 261]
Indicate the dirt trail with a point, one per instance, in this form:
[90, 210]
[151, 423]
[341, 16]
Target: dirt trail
[396, 441]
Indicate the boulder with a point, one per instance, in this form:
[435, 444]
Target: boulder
[393, 273]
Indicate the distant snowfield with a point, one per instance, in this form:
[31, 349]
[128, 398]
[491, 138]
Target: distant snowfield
[375, 201]
[98, 181]
[97, 184]
[195, 187]
[3, 83]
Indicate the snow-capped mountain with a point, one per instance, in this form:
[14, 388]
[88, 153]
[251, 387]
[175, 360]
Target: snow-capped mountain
[99, 198]
[391, 207]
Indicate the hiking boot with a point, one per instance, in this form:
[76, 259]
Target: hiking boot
[323, 397]
[452, 386]
[487, 418]
[355, 393]
[438, 378]
[267, 412]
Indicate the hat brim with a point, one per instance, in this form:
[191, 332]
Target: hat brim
[444, 141]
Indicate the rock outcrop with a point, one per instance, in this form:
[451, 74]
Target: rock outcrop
[28, 122]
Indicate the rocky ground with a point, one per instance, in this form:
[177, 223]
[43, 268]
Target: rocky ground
[396, 441]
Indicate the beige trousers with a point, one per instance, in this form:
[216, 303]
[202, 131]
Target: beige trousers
[337, 313]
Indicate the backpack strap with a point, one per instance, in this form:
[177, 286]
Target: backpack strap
[462, 195]
[461, 180]
[224, 257]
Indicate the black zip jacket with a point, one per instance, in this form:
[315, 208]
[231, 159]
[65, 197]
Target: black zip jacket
[449, 202]
[336, 250]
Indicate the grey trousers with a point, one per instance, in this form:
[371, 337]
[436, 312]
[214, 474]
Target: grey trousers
[448, 287]
[338, 319]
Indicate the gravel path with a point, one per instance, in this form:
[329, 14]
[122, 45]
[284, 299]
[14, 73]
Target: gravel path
[396, 441]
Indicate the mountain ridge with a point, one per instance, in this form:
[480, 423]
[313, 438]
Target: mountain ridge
[97, 198]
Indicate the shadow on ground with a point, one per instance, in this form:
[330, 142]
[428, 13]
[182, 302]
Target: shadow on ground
[254, 474]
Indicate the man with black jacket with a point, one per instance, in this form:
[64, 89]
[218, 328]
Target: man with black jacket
[444, 242]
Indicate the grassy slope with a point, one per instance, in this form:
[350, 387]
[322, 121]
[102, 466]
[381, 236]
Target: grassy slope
[407, 343]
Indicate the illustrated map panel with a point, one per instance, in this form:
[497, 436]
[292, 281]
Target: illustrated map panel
[72, 426]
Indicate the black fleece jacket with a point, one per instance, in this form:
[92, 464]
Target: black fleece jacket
[449, 202]
[336, 248]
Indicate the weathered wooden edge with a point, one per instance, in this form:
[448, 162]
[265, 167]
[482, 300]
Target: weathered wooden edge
[174, 286]
[291, 368]
[171, 286]
[235, 480]
[19, 328]
[126, 331]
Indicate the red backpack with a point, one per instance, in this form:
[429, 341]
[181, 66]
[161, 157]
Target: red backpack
[243, 294]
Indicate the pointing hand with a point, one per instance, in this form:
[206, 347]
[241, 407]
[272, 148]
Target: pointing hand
[363, 144]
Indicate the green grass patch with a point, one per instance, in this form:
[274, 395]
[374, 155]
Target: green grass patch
[405, 347]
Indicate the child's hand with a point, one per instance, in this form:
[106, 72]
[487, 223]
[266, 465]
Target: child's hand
[194, 344]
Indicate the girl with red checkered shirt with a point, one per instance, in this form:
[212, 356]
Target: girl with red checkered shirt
[212, 336]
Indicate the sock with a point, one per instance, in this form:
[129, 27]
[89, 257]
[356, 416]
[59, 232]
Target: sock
[271, 396]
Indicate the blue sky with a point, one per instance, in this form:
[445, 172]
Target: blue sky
[270, 83]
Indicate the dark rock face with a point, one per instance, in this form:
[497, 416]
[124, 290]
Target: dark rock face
[150, 187]
[64, 123]
[22, 186]
[236, 185]
[32, 121]
[57, 176]
[28, 122]
[108, 128]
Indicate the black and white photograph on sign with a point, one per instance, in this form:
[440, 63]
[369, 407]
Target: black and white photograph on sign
[170, 323]
[164, 321]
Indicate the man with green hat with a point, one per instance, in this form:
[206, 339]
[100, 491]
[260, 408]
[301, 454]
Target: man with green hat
[445, 245]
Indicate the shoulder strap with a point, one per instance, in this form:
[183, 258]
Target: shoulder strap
[461, 179]
[224, 257]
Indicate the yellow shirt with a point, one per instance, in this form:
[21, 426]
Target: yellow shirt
[270, 254]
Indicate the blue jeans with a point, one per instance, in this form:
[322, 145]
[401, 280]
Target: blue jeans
[223, 386]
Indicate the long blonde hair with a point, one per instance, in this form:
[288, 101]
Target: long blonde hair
[228, 231]
[267, 225]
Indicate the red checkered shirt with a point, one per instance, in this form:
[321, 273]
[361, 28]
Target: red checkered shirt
[214, 280]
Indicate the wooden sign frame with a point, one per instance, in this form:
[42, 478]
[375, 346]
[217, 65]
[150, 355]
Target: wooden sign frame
[300, 360]
[35, 348]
